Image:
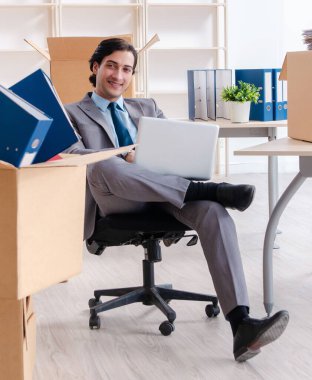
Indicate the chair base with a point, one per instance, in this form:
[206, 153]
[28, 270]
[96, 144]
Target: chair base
[148, 294]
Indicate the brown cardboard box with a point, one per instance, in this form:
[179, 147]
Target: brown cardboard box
[297, 71]
[41, 222]
[69, 66]
[17, 339]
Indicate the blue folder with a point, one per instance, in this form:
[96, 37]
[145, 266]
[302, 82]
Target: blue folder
[38, 90]
[262, 78]
[277, 93]
[285, 102]
[23, 129]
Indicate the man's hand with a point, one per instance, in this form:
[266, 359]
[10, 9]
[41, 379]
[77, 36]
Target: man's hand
[130, 156]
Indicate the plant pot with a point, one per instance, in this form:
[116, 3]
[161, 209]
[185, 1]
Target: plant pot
[239, 112]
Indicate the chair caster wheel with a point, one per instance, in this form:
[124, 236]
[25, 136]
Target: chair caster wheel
[166, 328]
[93, 302]
[212, 311]
[95, 322]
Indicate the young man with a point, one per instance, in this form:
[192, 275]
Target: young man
[104, 119]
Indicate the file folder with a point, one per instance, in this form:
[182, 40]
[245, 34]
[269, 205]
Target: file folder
[23, 129]
[263, 110]
[285, 101]
[197, 94]
[38, 90]
[278, 96]
[222, 78]
[204, 93]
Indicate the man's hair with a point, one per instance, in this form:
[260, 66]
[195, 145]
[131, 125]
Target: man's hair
[108, 47]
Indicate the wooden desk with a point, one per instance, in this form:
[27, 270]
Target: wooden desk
[280, 147]
[268, 129]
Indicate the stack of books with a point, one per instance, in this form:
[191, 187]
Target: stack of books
[307, 38]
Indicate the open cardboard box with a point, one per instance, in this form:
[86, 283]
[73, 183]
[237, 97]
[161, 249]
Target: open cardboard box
[69, 66]
[297, 71]
[17, 339]
[41, 222]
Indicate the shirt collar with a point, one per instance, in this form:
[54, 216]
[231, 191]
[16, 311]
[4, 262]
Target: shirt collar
[103, 103]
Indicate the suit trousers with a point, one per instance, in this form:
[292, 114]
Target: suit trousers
[120, 187]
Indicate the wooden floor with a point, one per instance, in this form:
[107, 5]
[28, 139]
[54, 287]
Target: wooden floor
[129, 345]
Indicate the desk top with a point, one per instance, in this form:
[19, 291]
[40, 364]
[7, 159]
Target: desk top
[280, 147]
[224, 123]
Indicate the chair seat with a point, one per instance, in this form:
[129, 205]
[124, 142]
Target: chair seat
[118, 229]
[146, 229]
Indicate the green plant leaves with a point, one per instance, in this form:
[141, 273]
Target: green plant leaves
[244, 92]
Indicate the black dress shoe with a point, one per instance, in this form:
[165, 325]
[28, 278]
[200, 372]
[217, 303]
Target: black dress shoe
[252, 334]
[237, 197]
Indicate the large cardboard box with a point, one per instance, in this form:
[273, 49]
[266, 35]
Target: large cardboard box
[41, 222]
[297, 71]
[69, 66]
[17, 339]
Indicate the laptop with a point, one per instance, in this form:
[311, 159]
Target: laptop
[182, 148]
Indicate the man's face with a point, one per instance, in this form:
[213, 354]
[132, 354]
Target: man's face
[114, 74]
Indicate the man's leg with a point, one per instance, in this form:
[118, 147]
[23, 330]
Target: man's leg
[118, 187]
[218, 238]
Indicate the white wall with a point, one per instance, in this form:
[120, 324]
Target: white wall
[259, 35]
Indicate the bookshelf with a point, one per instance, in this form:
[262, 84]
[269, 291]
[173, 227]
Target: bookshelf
[192, 35]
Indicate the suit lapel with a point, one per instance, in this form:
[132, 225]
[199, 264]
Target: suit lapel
[135, 111]
[89, 108]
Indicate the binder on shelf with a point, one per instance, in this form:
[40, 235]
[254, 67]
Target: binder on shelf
[217, 79]
[279, 88]
[204, 93]
[285, 101]
[277, 95]
[262, 78]
[197, 94]
[23, 129]
[38, 90]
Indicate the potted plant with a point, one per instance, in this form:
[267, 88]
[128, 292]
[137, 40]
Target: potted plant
[240, 97]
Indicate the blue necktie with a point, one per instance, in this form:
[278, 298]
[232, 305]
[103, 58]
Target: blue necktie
[122, 132]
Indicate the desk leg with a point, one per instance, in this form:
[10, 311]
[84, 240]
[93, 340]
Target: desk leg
[272, 174]
[272, 182]
[269, 240]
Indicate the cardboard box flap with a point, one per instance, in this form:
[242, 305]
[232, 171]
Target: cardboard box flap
[83, 159]
[44, 53]
[76, 48]
[283, 73]
[6, 165]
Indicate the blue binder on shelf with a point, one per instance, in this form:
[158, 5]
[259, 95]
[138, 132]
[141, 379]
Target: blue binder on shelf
[285, 102]
[38, 90]
[263, 110]
[279, 92]
[23, 129]
[204, 93]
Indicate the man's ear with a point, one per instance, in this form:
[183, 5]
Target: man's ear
[95, 67]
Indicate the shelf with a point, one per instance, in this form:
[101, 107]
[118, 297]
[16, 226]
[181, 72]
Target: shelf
[188, 48]
[191, 33]
[169, 92]
[211, 5]
[30, 5]
[102, 5]
[6, 51]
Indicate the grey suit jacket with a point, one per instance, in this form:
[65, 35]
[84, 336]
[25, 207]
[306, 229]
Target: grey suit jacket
[95, 136]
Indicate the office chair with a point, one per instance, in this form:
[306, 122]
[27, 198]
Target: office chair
[146, 229]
